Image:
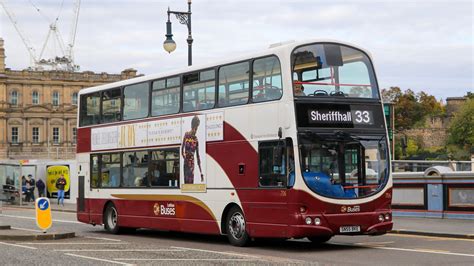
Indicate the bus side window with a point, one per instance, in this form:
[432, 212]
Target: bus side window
[94, 171]
[267, 84]
[199, 90]
[135, 100]
[234, 84]
[89, 109]
[272, 168]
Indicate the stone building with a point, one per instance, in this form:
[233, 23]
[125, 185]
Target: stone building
[38, 110]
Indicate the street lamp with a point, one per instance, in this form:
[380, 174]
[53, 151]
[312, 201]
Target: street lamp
[184, 18]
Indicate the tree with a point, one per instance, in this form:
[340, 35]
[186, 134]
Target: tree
[412, 109]
[430, 105]
[461, 130]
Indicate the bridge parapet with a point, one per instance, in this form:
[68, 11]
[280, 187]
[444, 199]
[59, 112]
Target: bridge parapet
[434, 193]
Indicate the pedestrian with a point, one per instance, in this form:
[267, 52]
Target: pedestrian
[32, 187]
[40, 186]
[27, 189]
[60, 185]
[9, 181]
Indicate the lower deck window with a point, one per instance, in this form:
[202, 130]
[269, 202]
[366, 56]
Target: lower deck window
[135, 169]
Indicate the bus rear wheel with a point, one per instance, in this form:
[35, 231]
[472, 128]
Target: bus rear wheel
[319, 239]
[236, 228]
[111, 219]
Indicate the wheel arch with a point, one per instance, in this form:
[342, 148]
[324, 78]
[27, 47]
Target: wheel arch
[106, 204]
[225, 212]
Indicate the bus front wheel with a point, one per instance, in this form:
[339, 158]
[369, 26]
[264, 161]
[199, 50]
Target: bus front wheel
[236, 227]
[111, 219]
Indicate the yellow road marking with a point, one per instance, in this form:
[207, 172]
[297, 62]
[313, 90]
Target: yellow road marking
[432, 238]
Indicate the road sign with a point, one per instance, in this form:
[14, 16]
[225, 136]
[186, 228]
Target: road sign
[43, 213]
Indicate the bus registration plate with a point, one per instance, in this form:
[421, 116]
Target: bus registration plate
[349, 229]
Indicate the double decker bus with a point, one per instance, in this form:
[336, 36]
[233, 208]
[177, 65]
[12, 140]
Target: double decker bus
[290, 142]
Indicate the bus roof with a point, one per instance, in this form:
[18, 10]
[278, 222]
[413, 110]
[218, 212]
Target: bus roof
[276, 48]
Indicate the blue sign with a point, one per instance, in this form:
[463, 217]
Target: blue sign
[43, 204]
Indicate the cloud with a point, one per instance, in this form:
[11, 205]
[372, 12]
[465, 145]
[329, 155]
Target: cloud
[423, 45]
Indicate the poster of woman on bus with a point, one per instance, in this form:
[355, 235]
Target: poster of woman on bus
[193, 154]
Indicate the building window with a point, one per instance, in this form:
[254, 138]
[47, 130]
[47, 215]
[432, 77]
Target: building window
[55, 135]
[74, 135]
[74, 98]
[14, 98]
[14, 135]
[36, 135]
[55, 98]
[35, 98]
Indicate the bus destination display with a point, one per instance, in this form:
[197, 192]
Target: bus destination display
[364, 117]
[339, 115]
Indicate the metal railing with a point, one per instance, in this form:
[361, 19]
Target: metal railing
[421, 165]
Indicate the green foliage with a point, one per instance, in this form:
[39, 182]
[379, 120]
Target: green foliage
[411, 110]
[412, 147]
[461, 130]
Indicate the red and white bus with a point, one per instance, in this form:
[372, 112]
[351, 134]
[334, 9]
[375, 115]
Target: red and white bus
[290, 142]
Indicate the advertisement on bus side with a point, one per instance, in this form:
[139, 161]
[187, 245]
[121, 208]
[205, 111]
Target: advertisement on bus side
[193, 154]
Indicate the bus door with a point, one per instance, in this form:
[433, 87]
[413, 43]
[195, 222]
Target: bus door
[269, 209]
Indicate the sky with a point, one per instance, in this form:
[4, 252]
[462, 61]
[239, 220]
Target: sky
[420, 45]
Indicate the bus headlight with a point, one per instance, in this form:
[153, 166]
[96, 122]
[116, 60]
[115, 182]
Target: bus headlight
[381, 218]
[387, 217]
[317, 221]
[308, 220]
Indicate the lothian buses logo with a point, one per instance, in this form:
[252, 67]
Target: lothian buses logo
[164, 209]
[350, 209]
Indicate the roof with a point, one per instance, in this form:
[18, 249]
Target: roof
[277, 48]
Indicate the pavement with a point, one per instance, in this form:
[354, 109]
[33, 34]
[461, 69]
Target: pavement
[8, 233]
[454, 228]
[437, 227]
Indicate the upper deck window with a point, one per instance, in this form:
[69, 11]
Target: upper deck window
[321, 70]
[267, 83]
[111, 105]
[165, 96]
[89, 109]
[135, 101]
[199, 91]
[234, 84]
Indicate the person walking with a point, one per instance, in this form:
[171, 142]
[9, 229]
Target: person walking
[40, 186]
[27, 189]
[60, 185]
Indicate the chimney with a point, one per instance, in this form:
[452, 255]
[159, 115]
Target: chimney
[2, 57]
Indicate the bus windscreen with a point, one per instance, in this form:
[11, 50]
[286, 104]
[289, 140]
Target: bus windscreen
[329, 70]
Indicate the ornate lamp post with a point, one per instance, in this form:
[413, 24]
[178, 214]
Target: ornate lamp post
[184, 18]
